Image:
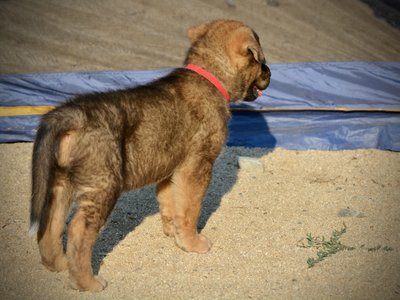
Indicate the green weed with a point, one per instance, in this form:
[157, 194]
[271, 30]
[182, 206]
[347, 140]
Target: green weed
[378, 247]
[325, 247]
[328, 247]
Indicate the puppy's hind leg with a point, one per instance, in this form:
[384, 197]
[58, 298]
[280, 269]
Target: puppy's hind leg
[50, 236]
[165, 199]
[50, 240]
[91, 214]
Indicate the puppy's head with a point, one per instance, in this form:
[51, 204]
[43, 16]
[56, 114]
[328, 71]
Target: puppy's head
[232, 52]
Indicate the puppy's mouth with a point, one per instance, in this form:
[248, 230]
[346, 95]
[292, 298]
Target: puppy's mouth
[258, 85]
[255, 91]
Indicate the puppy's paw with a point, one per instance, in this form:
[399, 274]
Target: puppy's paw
[100, 282]
[61, 264]
[94, 284]
[198, 244]
[58, 264]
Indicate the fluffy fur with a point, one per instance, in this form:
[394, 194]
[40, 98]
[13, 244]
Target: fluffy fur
[168, 132]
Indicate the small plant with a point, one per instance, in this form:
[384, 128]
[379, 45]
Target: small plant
[332, 246]
[325, 247]
[379, 247]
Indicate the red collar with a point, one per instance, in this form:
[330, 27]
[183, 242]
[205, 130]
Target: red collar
[210, 77]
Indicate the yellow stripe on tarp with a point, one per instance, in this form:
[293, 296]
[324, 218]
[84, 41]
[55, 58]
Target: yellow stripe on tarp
[13, 111]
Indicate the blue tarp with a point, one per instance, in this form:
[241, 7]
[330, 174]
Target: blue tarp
[327, 106]
[333, 85]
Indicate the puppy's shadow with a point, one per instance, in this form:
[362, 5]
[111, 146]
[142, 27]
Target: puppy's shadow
[246, 128]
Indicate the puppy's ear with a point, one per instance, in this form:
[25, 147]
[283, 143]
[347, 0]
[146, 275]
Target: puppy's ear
[245, 42]
[257, 53]
[196, 32]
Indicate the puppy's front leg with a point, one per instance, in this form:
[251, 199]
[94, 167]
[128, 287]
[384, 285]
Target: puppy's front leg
[190, 185]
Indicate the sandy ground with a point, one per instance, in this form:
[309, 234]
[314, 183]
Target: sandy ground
[257, 220]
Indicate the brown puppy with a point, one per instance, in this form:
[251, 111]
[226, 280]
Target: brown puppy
[170, 131]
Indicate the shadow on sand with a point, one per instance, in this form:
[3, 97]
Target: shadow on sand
[133, 207]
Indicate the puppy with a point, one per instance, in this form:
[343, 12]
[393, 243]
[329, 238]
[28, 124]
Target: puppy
[167, 132]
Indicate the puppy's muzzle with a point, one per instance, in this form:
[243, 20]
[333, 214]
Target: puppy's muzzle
[263, 81]
[260, 84]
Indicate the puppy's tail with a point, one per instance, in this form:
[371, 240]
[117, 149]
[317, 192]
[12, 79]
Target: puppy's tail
[44, 162]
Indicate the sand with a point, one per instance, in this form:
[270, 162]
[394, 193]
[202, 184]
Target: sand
[257, 220]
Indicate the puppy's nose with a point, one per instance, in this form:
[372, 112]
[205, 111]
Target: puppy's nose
[266, 70]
